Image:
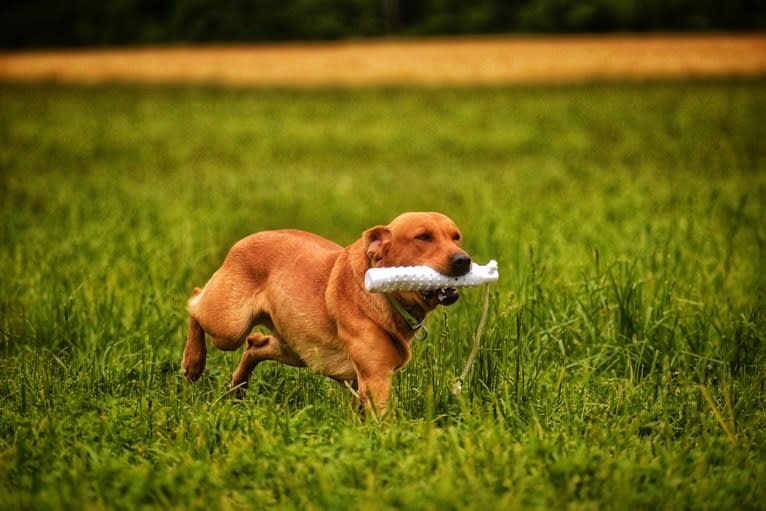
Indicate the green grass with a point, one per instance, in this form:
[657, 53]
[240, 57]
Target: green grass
[623, 365]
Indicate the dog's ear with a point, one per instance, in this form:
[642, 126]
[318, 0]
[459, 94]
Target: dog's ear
[376, 241]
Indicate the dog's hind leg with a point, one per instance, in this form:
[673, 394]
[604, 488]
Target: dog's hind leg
[195, 351]
[225, 319]
[261, 347]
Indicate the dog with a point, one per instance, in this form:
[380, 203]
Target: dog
[309, 293]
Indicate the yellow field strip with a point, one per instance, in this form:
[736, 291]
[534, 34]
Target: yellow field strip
[429, 61]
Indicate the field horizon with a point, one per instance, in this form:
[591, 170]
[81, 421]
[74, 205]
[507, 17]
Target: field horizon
[466, 61]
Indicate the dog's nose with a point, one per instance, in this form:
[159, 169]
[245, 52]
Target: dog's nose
[460, 263]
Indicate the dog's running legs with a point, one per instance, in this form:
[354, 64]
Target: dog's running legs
[261, 347]
[373, 393]
[195, 351]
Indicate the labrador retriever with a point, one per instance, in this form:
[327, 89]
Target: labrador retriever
[309, 293]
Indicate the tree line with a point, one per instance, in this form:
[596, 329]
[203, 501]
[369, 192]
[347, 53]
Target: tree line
[41, 23]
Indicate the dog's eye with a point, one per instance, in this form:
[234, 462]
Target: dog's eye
[424, 236]
[456, 237]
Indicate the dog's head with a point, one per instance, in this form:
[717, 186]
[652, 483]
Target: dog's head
[415, 239]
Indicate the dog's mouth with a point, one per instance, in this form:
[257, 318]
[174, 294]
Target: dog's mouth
[443, 296]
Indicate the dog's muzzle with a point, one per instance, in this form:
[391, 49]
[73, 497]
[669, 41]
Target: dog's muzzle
[459, 264]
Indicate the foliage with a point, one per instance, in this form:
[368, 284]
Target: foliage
[623, 362]
[34, 23]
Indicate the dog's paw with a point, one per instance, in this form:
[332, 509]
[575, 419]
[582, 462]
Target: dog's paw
[192, 370]
[238, 387]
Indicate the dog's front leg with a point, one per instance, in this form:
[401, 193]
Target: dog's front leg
[373, 392]
[375, 356]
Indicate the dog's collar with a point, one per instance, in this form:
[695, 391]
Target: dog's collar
[411, 320]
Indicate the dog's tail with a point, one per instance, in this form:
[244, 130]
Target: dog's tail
[192, 303]
[195, 351]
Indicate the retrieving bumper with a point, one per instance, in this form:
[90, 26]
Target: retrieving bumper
[418, 278]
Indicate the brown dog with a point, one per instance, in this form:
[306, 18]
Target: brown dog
[309, 292]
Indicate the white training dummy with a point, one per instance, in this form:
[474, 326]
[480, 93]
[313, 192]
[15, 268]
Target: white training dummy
[417, 278]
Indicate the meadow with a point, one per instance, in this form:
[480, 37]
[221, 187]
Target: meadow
[623, 365]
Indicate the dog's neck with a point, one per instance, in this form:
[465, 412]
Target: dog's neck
[412, 312]
[395, 316]
[414, 315]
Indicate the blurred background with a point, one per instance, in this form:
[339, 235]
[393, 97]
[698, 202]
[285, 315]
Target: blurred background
[45, 23]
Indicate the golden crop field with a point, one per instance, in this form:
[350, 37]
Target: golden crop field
[497, 60]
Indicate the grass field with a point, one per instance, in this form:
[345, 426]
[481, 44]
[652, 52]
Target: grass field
[623, 366]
